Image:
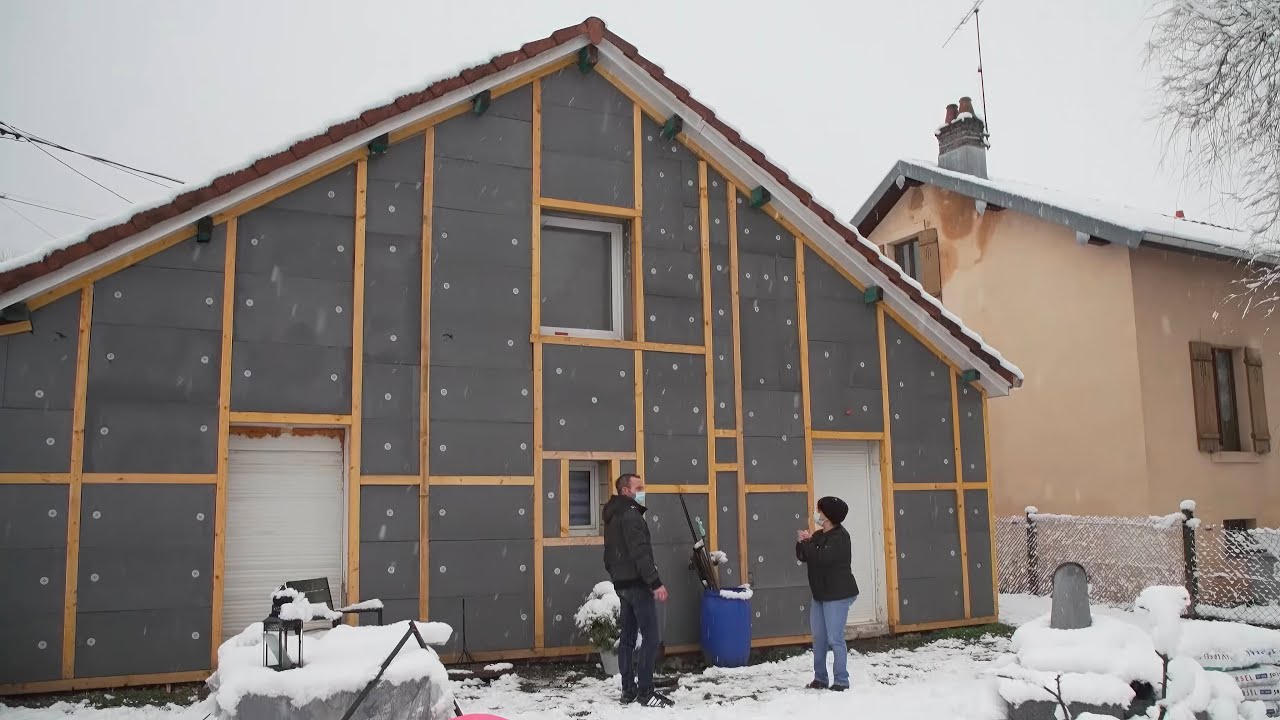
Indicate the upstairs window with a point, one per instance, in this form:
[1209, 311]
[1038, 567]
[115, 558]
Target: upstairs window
[581, 275]
[1229, 399]
[918, 257]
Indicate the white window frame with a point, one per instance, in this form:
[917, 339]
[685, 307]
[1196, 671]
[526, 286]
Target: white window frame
[596, 478]
[614, 231]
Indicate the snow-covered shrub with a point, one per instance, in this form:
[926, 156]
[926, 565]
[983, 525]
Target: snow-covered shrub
[597, 619]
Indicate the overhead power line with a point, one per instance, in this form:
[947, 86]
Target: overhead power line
[23, 135]
[14, 210]
[11, 198]
[86, 177]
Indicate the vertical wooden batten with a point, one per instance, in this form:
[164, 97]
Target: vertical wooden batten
[732, 194]
[960, 513]
[637, 229]
[424, 389]
[991, 503]
[704, 241]
[886, 480]
[802, 320]
[357, 385]
[224, 431]
[70, 599]
[535, 331]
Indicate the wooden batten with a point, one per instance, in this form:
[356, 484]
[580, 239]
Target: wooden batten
[802, 320]
[290, 419]
[586, 208]
[15, 328]
[704, 245]
[562, 492]
[401, 480]
[149, 479]
[357, 384]
[944, 624]
[776, 488]
[575, 541]
[35, 478]
[921, 486]
[736, 312]
[587, 455]
[424, 393]
[98, 683]
[268, 196]
[659, 489]
[846, 435]
[482, 480]
[535, 313]
[620, 344]
[962, 521]
[637, 389]
[637, 229]
[991, 504]
[224, 430]
[70, 595]
[887, 486]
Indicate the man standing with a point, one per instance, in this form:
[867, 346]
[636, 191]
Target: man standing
[628, 557]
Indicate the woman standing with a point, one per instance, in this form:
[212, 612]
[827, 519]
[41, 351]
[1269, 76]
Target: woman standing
[829, 557]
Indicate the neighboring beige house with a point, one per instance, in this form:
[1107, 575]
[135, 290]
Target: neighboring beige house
[1146, 382]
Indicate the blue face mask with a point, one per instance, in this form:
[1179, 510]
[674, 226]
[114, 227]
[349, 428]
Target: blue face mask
[640, 497]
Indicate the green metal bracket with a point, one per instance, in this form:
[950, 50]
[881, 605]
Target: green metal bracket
[672, 127]
[204, 229]
[969, 376]
[872, 295]
[379, 145]
[760, 197]
[587, 58]
[480, 103]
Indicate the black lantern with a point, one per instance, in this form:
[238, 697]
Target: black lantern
[275, 636]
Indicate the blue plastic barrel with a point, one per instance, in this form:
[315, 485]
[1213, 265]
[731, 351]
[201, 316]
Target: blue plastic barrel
[726, 629]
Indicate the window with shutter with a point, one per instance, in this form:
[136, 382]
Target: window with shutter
[918, 257]
[1204, 396]
[1257, 401]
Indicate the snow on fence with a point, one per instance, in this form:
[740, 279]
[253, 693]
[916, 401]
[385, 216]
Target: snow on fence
[1230, 574]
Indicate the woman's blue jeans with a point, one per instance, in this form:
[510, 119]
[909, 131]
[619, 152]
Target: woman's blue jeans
[826, 621]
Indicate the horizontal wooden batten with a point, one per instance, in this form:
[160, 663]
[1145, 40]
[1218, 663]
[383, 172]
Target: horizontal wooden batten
[846, 435]
[573, 541]
[786, 488]
[150, 478]
[725, 467]
[908, 487]
[264, 418]
[15, 328]
[726, 433]
[584, 208]
[390, 480]
[98, 683]
[945, 624]
[620, 344]
[781, 641]
[480, 480]
[34, 478]
[110, 268]
[656, 489]
[587, 455]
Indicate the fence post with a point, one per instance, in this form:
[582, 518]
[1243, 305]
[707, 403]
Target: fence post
[1033, 552]
[1189, 558]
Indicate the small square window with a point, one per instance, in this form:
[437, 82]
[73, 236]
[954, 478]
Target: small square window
[581, 276]
[907, 255]
[588, 491]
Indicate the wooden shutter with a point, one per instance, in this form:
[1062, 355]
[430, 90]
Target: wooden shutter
[930, 270]
[1206, 400]
[1257, 401]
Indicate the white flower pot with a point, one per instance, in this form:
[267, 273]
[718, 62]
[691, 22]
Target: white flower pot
[609, 661]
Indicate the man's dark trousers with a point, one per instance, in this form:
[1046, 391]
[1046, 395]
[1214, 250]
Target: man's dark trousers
[639, 612]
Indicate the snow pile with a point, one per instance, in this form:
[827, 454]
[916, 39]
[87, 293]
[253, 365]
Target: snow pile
[1227, 645]
[499, 667]
[718, 558]
[1188, 505]
[343, 659]
[302, 609]
[743, 593]
[363, 605]
[1164, 605]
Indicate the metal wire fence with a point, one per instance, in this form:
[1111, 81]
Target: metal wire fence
[1231, 574]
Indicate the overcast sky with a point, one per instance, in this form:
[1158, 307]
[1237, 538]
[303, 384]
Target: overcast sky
[186, 87]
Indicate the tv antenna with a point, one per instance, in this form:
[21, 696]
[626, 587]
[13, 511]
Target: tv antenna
[982, 82]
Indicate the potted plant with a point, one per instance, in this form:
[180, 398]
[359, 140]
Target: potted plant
[597, 620]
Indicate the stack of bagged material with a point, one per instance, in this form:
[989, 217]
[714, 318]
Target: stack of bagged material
[1249, 655]
[1261, 683]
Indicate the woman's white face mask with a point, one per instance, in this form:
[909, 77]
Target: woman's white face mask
[818, 519]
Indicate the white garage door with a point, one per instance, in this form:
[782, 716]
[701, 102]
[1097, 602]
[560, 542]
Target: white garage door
[285, 521]
[844, 468]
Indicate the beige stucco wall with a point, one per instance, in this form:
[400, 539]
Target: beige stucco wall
[1072, 439]
[1179, 298]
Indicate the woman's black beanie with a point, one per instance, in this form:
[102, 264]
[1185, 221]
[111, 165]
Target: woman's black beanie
[835, 509]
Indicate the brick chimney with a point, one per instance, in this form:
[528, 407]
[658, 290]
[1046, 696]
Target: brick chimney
[962, 144]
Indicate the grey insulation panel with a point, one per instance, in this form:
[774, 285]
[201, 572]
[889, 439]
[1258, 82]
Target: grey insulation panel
[460, 236]
[841, 395]
[140, 642]
[333, 194]
[389, 570]
[587, 139]
[725, 381]
[766, 277]
[726, 450]
[550, 498]
[388, 513]
[497, 294]
[403, 162]
[486, 622]
[394, 611]
[294, 244]
[673, 320]
[772, 521]
[487, 139]
[759, 233]
[774, 461]
[394, 208]
[673, 273]
[159, 297]
[33, 516]
[164, 575]
[822, 281]
[588, 398]
[389, 437]
[34, 579]
[978, 544]
[143, 514]
[517, 104]
[675, 394]
[770, 345]
[481, 512]
[481, 187]
[721, 292]
[718, 212]
[670, 221]
[772, 413]
[928, 536]
[679, 617]
[973, 439]
[627, 466]
[466, 337]
[920, 410]
[569, 573]
[38, 369]
[480, 567]
[136, 363]
[193, 255]
[727, 528]
[33, 646]
[675, 459]
[927, 600]
[136, 437]
[780, 612]
[667, 524]
[35, 440]
[481, 394]
[460, 447]
[293, 310]
[447, 610]
[278, 377]
[392, 298]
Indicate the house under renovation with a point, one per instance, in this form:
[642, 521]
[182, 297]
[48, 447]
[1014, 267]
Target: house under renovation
[410, 354]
